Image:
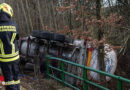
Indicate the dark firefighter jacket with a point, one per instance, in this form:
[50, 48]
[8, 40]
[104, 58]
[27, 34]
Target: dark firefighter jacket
[8, 39]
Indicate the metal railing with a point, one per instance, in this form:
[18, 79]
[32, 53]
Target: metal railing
[84, 78]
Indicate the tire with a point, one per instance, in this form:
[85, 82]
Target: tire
[36, 33]
[46, 35]
[41, 34]
[61, 38]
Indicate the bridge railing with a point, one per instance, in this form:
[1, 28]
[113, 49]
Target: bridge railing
[84, 78]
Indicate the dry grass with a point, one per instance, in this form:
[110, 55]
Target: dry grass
[29, 83]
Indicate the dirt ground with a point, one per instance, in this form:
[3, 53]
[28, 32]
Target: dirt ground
[31, 83]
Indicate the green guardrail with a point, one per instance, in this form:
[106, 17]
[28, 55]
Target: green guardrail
[84, 78]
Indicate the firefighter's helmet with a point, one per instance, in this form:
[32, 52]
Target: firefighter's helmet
[7, 9]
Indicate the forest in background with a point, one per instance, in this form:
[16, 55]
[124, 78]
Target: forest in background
[100, 21]
[74, 18]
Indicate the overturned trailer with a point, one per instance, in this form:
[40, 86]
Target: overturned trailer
[40, 43]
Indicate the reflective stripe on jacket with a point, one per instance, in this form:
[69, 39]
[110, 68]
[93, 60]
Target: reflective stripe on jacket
[8, 43]
[12, 82]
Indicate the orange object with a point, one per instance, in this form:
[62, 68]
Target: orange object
[89, 57]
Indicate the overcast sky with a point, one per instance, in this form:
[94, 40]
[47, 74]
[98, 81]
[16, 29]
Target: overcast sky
[106, 3]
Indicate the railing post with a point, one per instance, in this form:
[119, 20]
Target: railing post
[85, 78]
[48, 68]
[63, 74]
[119, 85]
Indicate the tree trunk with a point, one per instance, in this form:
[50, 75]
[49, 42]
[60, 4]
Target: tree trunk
[101, 45]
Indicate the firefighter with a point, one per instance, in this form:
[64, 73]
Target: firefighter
[9, 54]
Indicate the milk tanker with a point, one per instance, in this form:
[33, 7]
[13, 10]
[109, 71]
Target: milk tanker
[57, 45]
